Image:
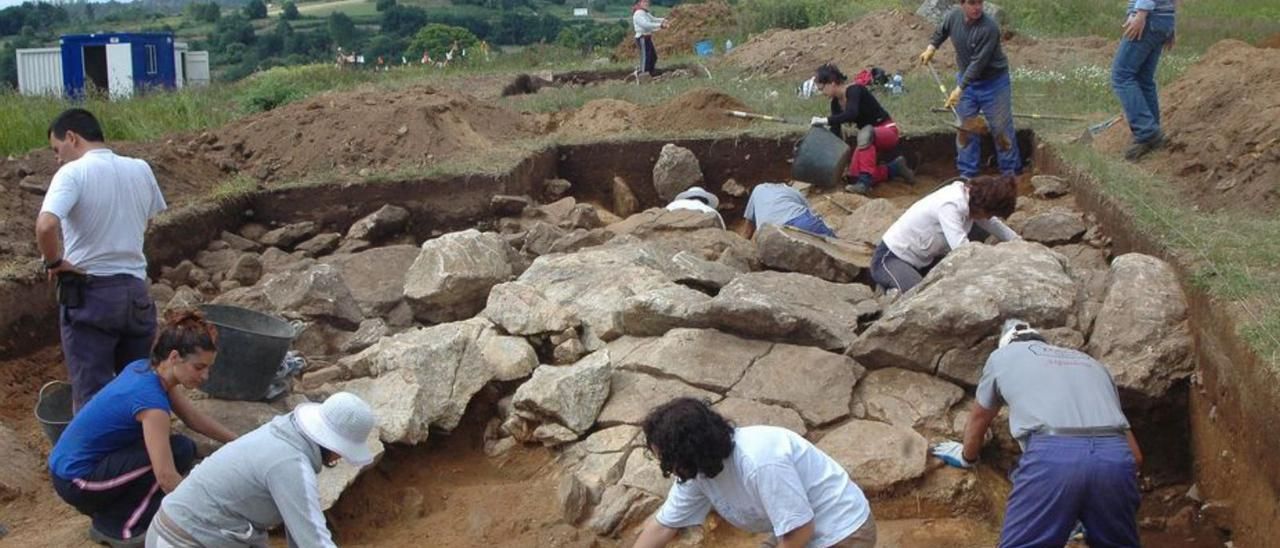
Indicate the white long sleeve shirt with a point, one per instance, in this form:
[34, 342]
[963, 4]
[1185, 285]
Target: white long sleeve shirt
[937, 224]
[645, 23]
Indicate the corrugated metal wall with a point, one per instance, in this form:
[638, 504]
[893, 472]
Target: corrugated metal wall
[40, 71]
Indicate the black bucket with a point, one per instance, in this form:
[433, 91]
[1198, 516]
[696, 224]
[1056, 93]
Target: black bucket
[821, 158]
[251, 346]
[54, 409]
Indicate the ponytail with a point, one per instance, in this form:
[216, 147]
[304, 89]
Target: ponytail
[185, 331]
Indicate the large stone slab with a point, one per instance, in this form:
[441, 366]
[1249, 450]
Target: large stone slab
[386, 221]
[453, 274]
[704, 358]
[317, 293]
[751, 413]
[376, 276]
[869, 222]
[1056, 226]
[905, 398]
[948, 323]
[815, 383]
[676, 170]
[635, 394]
[521, 309]
[570, 395]
[794, 308]
[878, 456]
[793, 250]
[1141, 332]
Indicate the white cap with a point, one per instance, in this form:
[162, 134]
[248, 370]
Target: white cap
[698, 193]
[1013, 328]
[341, 424]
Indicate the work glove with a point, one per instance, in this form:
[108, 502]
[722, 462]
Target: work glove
[953, 99]
[927, 56]
[818, 121]
[951, 453]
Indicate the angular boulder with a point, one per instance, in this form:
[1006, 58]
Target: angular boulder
[1142, 332]
[1049, 186]
[317, 293]
[869, 222]
[321, 244]
[376, 276]
[521, 309]
[676, 170]
[815, 383]
[906, 398]
[793, 250]
[247, 270]
[749, 413]
[569, 395]
[452, 275]
[1053, 227]
[386, 221]
[792, 307]
[288, 236]
[633, 395]
[704, 358]
[950, 322]
[878, 456]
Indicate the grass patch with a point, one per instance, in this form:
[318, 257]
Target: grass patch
[234, 187]
[1200, 22]
[1232, 256]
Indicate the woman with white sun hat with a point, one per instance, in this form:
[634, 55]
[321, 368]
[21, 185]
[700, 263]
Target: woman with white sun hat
[265, 478]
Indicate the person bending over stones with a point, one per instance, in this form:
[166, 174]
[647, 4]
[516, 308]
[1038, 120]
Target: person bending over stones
[779, 204]
[118, 458]
[265, 478]
[697, 199]
[940, 222]
[1079, 460]
[876, 132]
[762, 479]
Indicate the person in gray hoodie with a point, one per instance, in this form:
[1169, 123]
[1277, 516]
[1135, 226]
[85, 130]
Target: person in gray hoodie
[265, 478]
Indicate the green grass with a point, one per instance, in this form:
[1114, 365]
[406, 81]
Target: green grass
[1200, 22]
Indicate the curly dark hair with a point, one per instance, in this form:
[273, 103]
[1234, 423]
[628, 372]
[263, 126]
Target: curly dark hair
[829, 73]
[689, 438]
[994, 196]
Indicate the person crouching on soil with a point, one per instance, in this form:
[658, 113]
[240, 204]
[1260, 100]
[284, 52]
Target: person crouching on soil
[877, 134]
[940, 222]
[265, 478]
[645, 24]
[761, 479]
[780, 204]
[118, 458]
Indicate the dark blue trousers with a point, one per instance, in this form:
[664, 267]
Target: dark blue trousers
[809, 222]
[114, 326]
[121, 494]
[648, 55]
[1061, 480]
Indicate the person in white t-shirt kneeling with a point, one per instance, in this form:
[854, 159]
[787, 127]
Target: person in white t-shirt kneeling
[762, 479]
[697, 199]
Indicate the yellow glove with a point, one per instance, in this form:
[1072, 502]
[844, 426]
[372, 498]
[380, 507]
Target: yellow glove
[927, 56]
[953, 99]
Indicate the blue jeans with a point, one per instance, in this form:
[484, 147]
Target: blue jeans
[1061, 480]
[994, 99]
[809, 222]
[1133, 77]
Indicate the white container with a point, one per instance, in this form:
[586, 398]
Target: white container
[40, 71]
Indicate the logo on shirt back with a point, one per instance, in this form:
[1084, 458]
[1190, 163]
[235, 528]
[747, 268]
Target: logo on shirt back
[1060, 356]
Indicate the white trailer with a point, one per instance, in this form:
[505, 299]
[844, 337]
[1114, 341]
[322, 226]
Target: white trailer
[40, 71]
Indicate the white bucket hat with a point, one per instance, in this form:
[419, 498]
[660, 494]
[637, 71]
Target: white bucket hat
[1012, 328]
[698, 193]
[341, 424]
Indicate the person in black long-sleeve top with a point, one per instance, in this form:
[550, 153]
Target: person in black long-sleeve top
[877, 134]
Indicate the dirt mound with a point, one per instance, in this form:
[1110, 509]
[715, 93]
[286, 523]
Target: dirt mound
[697, 109]
[1223, 123]
[601, 117]
[1272, 41]
[892, 40]
[690, 23]
[368, 129]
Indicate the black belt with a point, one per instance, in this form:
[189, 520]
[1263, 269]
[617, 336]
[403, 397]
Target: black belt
[1083, 432]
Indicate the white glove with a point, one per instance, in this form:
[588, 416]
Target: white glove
[951, 453]
[819, 121]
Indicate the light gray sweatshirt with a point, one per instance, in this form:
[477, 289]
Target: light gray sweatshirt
[264, 478]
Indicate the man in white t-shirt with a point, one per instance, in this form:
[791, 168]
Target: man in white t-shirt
[762, 479]
[100, 204]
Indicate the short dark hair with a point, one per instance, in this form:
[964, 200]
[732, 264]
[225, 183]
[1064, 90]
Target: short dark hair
[995, 196]
[186, 331]
[78, 120]
[829, 73]
[689, 437]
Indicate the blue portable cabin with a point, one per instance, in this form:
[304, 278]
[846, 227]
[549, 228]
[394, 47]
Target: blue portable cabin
[119, 62]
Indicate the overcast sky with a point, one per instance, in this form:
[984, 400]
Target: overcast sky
[7, 3]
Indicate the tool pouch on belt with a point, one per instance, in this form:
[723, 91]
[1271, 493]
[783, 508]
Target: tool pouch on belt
[71, 289]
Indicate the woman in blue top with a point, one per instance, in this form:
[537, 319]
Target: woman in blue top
[118, 452]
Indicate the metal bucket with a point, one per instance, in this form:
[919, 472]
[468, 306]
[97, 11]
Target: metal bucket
[821, 158]
[251, 346]
[54, 409]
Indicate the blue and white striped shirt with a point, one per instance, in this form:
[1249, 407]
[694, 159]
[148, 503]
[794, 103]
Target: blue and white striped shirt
[1155, 7]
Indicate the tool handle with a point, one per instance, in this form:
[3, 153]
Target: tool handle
[752, 115]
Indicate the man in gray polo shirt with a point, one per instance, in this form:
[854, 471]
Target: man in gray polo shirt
[1080, 461]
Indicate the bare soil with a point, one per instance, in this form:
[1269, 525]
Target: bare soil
[690, 23]
[892, 40]
[1223, 125]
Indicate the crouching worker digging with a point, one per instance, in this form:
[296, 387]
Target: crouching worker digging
[761, 479]
[266, 478]
[117, 458]
[1080, 461]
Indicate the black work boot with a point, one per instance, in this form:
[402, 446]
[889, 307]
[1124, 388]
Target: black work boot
[899, 168]
[1136, 151]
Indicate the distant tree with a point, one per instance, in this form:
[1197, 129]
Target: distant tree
[342, 30]
[204, 12]
[88, 11]
[403, 21]
[255, 9]
[290, 12]
[232, 29]
[384, 5]
[438, 39]
[389, 48]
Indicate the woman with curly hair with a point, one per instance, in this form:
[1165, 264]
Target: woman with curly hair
[939, 223]
[761, 479]
[118, 457]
